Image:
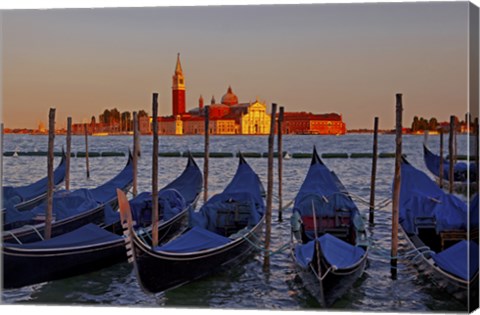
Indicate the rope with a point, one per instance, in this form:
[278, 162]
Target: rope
[382, 204]
[35, 229]
[332, 267]
[288, 205]
[421, 251]
[13, 235]
[263, 249]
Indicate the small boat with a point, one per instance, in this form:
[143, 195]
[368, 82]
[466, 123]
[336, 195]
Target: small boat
[222, 233]
[442, 231]
[329, 243]
[462, 172]
[26, 197]
[91, 247]
[71, 210]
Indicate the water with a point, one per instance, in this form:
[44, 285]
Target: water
[246, 286]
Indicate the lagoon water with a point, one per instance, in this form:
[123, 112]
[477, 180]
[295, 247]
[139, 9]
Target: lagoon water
[246, 286]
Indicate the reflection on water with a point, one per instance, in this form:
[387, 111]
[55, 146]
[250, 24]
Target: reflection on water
[245, 286]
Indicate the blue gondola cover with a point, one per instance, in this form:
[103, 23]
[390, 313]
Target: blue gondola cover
[170, 203]
[243, 191]
[454, 259]
[336, 252]
[89, 234]
[196, 239]
[70, 203]
[14, 195]
[65, 204]
[420, 197]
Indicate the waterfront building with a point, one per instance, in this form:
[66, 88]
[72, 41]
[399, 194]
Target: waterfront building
[229, 117]
[308, 123]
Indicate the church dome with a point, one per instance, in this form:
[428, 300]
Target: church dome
[229, 98]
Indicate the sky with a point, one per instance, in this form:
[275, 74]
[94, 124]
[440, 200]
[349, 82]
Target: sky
[347, 58]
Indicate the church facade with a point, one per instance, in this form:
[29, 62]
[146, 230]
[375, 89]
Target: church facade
[229, 117]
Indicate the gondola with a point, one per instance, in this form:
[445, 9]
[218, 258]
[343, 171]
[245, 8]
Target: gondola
[91, 247]
[442, 231]
[330, 248]
[71, 210]
[26, 197]
[462, 172]
[221, 234]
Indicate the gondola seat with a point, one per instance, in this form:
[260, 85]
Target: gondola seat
[424, 223]
[337, 225]
[232, 218]
[449, 237]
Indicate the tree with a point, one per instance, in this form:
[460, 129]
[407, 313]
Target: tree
[415, 124]
[432, 124]
[126, 118]
[114, 116]
[105, 117]
[142, 113]
[423, 124]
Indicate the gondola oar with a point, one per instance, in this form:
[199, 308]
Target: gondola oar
[317, 249]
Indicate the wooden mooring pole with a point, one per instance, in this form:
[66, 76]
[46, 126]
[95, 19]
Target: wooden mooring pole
[207, 153]
[268, 214]
[50, 184]
[451, 153]
[280, 162]
[86, 150]
[135, 154]
[396, 187]
[477, 149]
[155, 171]
[1, 167]
[374, 172]
[68, 153]
[440, 172]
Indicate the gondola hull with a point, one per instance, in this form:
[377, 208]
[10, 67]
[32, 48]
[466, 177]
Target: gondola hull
[161, 271]
[462, 290]
[334, 285]
[26, 267]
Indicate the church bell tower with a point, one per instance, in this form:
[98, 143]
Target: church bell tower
[178, 90]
